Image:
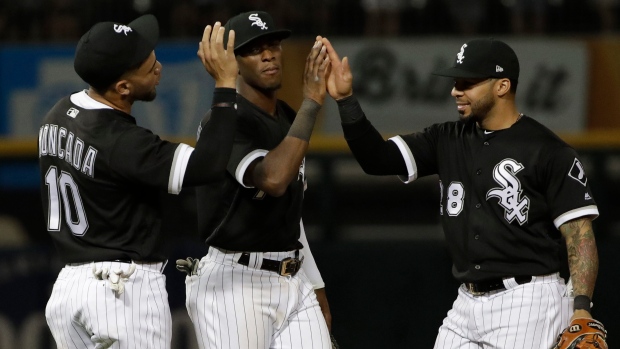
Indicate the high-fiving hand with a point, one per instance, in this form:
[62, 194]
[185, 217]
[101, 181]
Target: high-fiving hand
[219, 62]
[317, 64]
[340, 79]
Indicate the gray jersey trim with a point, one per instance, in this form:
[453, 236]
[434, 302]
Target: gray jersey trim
[177, 171]
[245, 162]
[412, 168]
[591, 210]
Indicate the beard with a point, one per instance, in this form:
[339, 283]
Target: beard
[271, 88]
[147, 96]
[479, 109]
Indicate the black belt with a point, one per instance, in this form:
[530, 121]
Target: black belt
[480, 288]
[287, 266]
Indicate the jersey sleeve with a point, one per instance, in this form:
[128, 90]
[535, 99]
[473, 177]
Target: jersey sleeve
[151, 161]
[244, 151]
[375, 155]
[208, 161]
[568, 191]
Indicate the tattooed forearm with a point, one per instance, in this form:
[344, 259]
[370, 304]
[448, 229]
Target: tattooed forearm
[582, 254]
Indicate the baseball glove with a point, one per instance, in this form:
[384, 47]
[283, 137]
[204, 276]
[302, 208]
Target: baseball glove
[582, 334]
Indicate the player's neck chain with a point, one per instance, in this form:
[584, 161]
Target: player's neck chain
[518, 118]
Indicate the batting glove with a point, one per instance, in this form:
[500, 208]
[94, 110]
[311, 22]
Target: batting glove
[188, 265]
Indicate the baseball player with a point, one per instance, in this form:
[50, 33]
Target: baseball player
[101, 175]
[257, 287]
[511, 190]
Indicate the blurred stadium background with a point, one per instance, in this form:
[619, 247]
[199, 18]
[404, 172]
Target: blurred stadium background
[378, 242]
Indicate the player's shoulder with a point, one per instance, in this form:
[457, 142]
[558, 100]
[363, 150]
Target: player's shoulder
[539, 133]
[448, 128]
[62, 107]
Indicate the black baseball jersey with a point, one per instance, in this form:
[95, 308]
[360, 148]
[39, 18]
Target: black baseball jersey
[239, 218]
[101, 177]
[504, 194]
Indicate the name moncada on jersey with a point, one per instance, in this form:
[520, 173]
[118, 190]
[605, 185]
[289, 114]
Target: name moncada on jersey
[52, 139]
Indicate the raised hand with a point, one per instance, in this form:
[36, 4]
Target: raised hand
[339, 79]
[219, 62]
[317, 65]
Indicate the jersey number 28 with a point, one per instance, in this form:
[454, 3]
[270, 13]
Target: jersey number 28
[62, 189]
[455, 196]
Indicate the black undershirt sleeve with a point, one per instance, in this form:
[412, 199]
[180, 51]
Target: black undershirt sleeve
[210, 156]
[376, 155]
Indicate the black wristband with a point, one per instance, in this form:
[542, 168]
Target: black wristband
[350, 109]
[582, 302]
[224, 97]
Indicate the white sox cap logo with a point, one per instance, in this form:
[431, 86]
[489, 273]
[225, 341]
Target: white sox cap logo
[257, 21]
[122, 28]
[461, 55]
[510, 193]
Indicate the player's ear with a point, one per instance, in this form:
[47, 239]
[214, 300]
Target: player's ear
[122, 87]
[502, 87]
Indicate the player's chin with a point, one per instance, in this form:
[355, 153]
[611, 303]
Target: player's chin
[148, 97]
[463, 116]
[276, 85]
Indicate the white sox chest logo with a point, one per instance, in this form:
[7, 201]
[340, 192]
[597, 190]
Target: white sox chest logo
[509, 194]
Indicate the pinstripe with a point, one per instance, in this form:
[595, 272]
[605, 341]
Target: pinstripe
[140, 296]
[226, 312]
[56, 324]
[246, 317]
[213, 304]
[62, 310]
[266, 322]
[60, 325]
[66, 309]
[125, 315]
[85, 313]
[257, 309]
[152, 309]
[525, 316]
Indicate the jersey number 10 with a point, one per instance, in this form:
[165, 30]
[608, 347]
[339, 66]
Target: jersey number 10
[62, 189]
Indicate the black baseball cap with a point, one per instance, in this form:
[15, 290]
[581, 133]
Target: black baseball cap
[484, 58]
[252, 25]
[110, 49]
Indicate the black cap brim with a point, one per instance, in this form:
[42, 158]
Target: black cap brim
[458, 73]
[280, 34]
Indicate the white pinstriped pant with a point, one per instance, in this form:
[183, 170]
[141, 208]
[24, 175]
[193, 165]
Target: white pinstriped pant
[522, 316]
[84, 312]
[237, 307]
